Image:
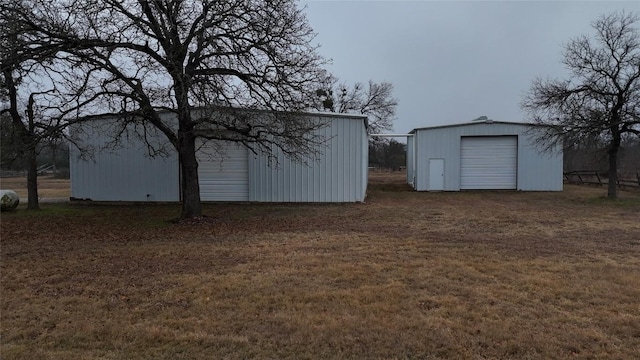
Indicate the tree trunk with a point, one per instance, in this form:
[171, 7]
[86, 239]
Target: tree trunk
[32, 177]
[54, 150]
[612, 192]
[29, 141]
[190, 186]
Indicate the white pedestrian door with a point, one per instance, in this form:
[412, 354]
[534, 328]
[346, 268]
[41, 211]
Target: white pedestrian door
[436, 174]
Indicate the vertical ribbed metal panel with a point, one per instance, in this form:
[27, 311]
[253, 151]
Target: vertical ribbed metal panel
[537, 170]
[441, 144]
[126, 173]
[223, 171]
[338, 174]
[123, 172]
[410, 160]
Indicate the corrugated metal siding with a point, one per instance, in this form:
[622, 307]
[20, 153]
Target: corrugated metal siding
[223, 171]
[537, 170]
[125, 173]
[489, 162]
[121, 173]
[339, 174]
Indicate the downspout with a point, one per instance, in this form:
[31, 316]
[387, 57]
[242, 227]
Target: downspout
[415, 162]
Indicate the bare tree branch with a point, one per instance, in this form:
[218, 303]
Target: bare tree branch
[376, 101]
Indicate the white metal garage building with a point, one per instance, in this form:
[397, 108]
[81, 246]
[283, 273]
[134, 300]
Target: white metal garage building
[481, 155]
[227, 171]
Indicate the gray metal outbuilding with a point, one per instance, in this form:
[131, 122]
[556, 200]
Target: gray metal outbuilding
[482, 155]
[227, 171]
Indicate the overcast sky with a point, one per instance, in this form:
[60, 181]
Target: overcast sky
[452, 61]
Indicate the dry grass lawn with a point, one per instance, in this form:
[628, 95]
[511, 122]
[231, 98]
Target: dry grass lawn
[470, 275]
[48, 187]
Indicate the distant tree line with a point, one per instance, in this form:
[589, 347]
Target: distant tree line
[591, 155]
[390, 154]
[52, 153]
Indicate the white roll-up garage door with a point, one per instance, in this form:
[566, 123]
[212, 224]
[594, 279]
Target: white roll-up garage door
[223, 171]
[489, 162]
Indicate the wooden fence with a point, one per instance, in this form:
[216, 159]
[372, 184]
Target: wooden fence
[594, 177]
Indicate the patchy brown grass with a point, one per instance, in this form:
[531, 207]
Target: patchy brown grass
[48, 186]
[469, 275]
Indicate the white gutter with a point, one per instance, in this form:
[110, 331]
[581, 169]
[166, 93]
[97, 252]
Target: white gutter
[391, 135]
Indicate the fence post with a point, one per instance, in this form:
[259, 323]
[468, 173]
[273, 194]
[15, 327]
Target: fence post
[638, 177]
[599, 181]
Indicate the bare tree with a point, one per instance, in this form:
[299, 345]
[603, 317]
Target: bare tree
[602, 97]
[30, 131]
[200, 60]
[34, 91]
[18, 61]
[375, 100]
[10, 63]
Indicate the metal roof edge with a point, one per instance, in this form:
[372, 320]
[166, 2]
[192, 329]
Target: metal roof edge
[310, 113]
[474, 123]
[337, 115]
